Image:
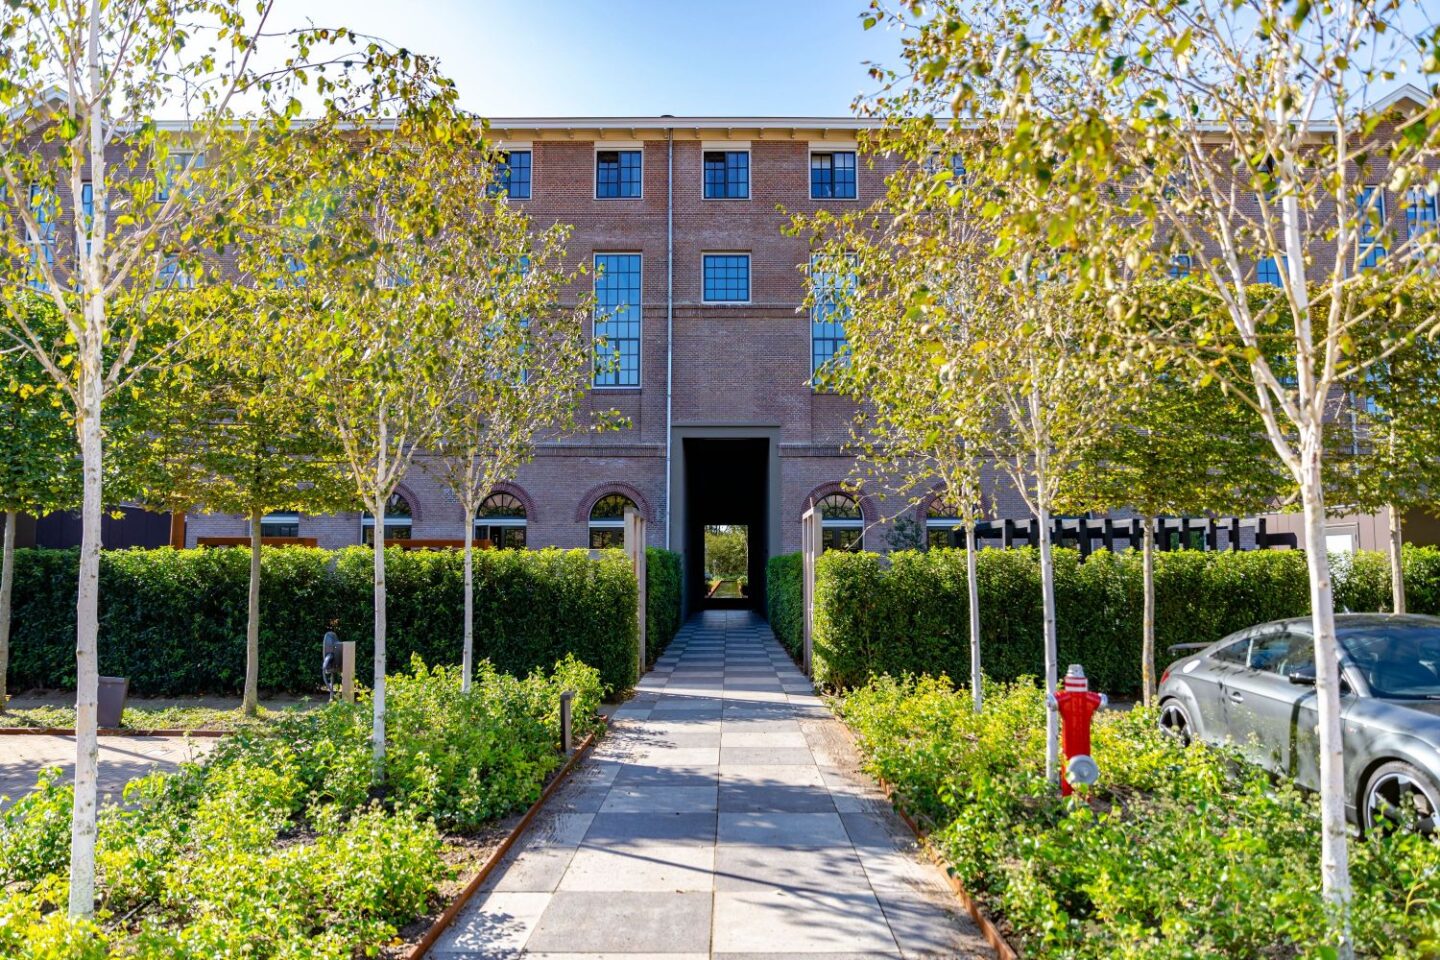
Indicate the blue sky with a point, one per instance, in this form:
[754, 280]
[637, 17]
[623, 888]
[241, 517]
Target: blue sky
[630, 57]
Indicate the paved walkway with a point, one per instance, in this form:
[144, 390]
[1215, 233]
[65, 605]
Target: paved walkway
[122, 759]
[722, 816]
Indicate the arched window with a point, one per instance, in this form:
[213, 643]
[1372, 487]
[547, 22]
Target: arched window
[607, 521]
[941, 526]
[841, 524]
[397, 521]
[501, 520]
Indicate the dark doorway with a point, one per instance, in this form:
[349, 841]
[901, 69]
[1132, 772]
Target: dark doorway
[725, 490]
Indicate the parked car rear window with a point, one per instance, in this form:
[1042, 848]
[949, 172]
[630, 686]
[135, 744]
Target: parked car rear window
[1401, 663]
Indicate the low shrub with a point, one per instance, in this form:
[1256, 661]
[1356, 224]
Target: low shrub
[662, 600]
[908, 612]
[1177, 852]
[276, 845]
[173, 621]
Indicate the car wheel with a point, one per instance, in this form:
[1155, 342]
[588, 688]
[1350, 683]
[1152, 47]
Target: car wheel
[1398, 794]
[1175, 720]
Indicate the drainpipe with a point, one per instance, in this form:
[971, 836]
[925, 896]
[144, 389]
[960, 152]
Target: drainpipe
[669, 311]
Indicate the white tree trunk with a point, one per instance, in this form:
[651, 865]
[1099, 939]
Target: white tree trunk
[251, 701]
[1397, 561]
[1334, 855]
[1052, 656]
[972, 583]
[87, 624]
[7, 583]
[467, 649]
[1147, 620]
[377, 734]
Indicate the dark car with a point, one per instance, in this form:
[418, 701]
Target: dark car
[1255, 689]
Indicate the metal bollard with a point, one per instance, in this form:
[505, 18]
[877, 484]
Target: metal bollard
[565, 737]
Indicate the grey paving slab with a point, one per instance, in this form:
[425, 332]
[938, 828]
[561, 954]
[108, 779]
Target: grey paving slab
[724, 815]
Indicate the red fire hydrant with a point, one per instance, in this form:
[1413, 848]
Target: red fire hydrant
[1077, 705]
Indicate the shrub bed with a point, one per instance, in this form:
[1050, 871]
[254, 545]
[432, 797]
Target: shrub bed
[1177, 853]
[173, 621]
[908, 613]
[276, 846]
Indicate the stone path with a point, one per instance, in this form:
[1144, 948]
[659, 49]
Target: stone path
[722, 816]
[122, 759]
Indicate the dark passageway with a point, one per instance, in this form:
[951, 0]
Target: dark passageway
[725, 485]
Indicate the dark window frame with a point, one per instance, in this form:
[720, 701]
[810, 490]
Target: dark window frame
[725, 175]
[627, 174]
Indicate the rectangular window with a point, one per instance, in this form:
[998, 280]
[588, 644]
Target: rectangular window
[284, 524]
[175, 165]
[727, 174]
[1180, 266]
[1370, 210]
[512, 175]
[828, 313]
[617, 320]
[617, 174]
[1420, 212]
[1268, 271]
[727, 277]
[832, 175]
[45, 208]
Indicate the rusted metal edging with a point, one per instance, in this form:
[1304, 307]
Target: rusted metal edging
[451, 912]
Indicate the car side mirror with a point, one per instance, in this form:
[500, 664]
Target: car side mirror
[1303, 677]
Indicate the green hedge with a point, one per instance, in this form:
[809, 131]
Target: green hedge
[173, 621]
[662, 600]
[785, 600]
[908, 613]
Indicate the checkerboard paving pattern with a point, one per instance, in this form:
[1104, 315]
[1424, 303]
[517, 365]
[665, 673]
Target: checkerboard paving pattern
[723, 815]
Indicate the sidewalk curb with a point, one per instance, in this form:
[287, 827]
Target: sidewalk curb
[451, 912]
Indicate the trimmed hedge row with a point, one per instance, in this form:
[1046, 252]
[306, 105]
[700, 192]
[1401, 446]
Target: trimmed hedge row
[662, 600]
[785, 600]
[908, 614]
[173, 621]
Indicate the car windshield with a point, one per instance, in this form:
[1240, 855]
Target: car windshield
[1400, 662]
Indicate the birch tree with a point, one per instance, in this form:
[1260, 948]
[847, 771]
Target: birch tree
[1176, 449]
[1253, 136]
[103, 204]
[906, 275]
[516, 364]
[372, 302]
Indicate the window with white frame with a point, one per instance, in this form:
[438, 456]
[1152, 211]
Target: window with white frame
[177, 162]
[1420, 212]
[397, 521]
[45, 209]
[829, 309]
[832, 175]
[607, 521]
[618, 174]
[727, 174]
[283, 523]
[512, 175]
[1370, 210]
[842, 526]
[726, 277]
[617, 319]
[501, 520]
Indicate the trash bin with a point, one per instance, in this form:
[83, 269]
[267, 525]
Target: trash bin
[112, 700]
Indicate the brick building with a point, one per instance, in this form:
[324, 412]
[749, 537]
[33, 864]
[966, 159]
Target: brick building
[683, 218]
